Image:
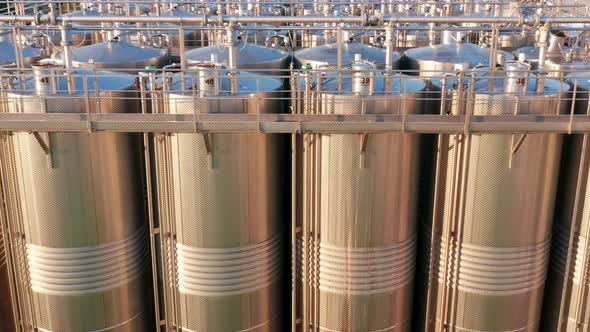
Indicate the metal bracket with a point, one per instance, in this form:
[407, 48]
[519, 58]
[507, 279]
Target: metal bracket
[42, 143]
[363, 149]
[45, 146]
[515, 146]
[208, 140]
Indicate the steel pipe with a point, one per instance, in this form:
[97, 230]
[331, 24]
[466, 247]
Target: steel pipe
[220, 19]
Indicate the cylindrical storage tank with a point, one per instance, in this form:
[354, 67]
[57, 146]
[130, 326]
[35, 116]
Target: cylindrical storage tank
[6, 310]
[327, 55]
[442, 58]
[249, 56]
[495, 209]
[81, 206]
[572, 206]
[8, 58]
[230, 208]
[118, 55]
[359, 205]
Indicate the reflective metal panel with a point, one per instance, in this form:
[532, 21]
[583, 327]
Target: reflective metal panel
[227, 213]
[82, 213]
[359, 213]
[494, 219]
[572, 208]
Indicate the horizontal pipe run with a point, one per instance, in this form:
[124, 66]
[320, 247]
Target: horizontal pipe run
[293, 123]
[84, 28]
[219, 20]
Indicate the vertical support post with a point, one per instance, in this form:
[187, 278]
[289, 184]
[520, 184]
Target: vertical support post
[232, 59]
[150, 207]
[339, 42]
[542, 41]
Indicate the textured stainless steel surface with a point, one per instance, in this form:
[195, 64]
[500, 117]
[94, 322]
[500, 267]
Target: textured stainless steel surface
[229, 213]
[118, 55]
[249, 57]
[328, 55]
[572, 207]
[359, 214]
[6, 313]
[502, 199]
[82, 214]
[220, 172]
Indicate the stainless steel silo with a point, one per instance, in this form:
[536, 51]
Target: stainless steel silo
[116, 54]
[77, 201]
[222, 199]
[359, 205]
[6, 298]
[248, 57]
[565, 306]
[8, 59]
[494, 210]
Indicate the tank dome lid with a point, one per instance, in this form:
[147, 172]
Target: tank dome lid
[8, 55]
[583, 78]
[532, 53]
[328, 54]
[109, 53]
[247, 54]
[568, 66]
[460, 53]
